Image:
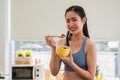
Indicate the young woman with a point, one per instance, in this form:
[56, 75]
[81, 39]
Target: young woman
[81, 63]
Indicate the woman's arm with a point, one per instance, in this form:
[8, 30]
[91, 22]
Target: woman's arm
[55, 63]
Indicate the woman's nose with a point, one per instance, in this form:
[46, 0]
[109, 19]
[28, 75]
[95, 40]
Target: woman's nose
[70, 23]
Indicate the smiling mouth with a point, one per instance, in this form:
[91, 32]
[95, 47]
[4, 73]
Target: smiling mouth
[72, 29]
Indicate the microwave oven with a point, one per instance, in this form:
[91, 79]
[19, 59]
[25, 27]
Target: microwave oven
[27, 72]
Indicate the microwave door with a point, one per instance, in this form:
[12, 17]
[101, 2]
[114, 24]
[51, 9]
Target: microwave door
[22, 73]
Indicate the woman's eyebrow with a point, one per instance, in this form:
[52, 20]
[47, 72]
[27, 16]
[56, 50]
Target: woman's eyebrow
[71, 18]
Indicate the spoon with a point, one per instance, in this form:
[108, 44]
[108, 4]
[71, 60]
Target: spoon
[61, 36]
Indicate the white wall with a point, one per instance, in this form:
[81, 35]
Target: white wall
[2, 33]
[4, 37]
[32, 19]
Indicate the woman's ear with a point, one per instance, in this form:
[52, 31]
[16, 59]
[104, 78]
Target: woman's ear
[84, 20]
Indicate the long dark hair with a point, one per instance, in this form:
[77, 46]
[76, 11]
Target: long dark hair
[80, 11]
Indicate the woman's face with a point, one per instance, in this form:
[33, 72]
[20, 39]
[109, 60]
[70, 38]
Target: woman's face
[74, 22]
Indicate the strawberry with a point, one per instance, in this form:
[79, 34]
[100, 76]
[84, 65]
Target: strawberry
[62, 35]
[65, 48]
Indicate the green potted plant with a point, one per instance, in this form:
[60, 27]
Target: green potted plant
[28, 57]
[28, 53]
[20, 53]
[97, 70]
[20, 57]
[97, 73]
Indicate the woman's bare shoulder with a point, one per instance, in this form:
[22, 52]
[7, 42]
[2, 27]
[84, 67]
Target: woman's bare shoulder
[90, 44]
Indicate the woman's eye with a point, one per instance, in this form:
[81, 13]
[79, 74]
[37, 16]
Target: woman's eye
[74, 19]
[68, 21]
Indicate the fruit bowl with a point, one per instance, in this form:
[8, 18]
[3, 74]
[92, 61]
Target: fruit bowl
[62, 50]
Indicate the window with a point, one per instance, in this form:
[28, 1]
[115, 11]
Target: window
[107, 52]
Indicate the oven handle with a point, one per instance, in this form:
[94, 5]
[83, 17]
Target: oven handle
[34, 73]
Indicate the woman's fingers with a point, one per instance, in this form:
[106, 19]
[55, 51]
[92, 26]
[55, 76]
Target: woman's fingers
[48, 38]
[49, 41]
